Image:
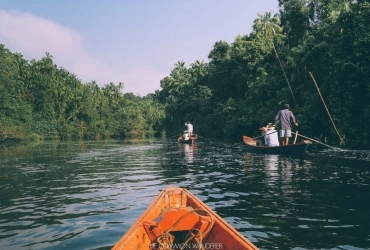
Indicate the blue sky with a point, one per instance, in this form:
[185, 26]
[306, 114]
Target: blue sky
[136, 42]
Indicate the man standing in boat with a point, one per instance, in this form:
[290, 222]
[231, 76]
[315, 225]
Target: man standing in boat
[189, 127]
[286, 117]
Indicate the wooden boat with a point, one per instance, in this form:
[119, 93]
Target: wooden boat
[189, 139]
[177, 219]
[297, 148]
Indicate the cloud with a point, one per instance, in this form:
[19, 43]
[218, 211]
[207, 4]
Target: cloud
[32, 36]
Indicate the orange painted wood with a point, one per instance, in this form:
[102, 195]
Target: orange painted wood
[221, 236]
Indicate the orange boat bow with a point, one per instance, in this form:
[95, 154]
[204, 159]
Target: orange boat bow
[175, 219]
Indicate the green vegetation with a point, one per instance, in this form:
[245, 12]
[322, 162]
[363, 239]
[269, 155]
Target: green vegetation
[40, 101]
[240, 89]
[245, 83]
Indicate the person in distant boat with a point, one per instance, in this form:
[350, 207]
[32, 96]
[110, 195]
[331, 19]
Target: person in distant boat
[189, 127]
[286, 118]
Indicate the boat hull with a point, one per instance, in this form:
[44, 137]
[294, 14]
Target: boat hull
[173, 202]
[293, 149]
[187, 141]
[191, 139]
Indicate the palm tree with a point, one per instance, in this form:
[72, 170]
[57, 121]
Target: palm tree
[199, 68]
[179, 78]
[269, 26]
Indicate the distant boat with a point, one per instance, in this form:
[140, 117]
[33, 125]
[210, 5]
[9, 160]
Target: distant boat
[176, 219]
[297, 148]
[186, 138]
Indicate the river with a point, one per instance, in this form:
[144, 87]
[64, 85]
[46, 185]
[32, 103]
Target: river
[86, 195]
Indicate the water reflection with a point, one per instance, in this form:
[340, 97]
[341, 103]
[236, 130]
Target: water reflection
[86, 195]
[271, 165]
[248, 159]
[189, 151]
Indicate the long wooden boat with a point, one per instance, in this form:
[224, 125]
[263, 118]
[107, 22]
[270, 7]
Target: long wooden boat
[297, 148]
[177, 219]
[191, 139]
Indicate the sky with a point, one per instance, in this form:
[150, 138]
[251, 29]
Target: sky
[136, 42]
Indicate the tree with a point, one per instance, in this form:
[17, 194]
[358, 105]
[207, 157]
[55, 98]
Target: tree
[270, 26]
[179, 78]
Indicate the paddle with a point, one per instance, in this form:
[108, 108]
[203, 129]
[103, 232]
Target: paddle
[295, 138]
[317, 141]
[251, 139]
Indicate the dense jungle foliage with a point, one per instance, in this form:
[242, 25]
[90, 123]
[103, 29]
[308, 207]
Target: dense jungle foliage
[246, 83]
[40, 101]
[313, 54]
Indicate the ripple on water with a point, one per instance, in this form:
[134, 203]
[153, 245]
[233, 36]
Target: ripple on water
[87, 195]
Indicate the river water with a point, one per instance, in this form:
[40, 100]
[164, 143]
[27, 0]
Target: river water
[86, 195]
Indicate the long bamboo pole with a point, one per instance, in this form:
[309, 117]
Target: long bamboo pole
[317, 141]
[340, 138]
